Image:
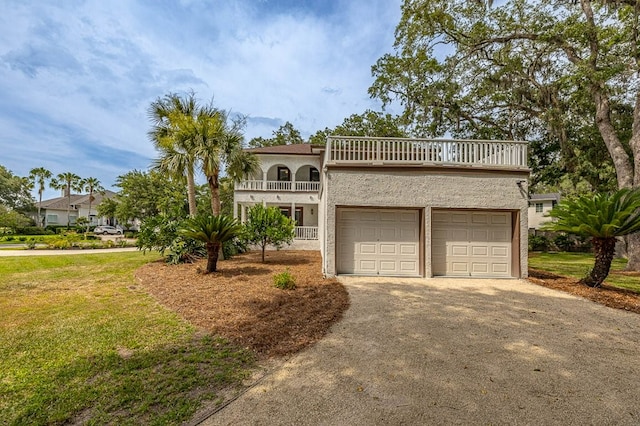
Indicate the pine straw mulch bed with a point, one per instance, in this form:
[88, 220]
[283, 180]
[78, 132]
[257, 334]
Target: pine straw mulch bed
[610, 296]
[240, 302]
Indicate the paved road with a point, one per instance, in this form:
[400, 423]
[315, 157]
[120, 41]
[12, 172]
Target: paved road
[6, 253]
[445, 351]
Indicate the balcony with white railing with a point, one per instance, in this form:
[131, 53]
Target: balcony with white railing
[306, 233]
[278, 186]
[365, 151]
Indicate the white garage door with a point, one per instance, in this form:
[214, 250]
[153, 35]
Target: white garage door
[471, 243]
[378, 242]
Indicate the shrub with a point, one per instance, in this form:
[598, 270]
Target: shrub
[9, 238]
[32, 230]
[60, 244]
[31, 244]
[22, 238]
[185, 250]
[234, 247]
[538, 243]
[129, 234]
[284, 281]
[564, 242]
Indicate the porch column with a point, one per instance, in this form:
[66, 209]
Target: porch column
[293, 216]
[264, 180]
[235, 210]
[243, 213]
[293, 181]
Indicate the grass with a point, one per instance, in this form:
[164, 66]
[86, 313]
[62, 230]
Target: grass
[80, 343]
[577, 265]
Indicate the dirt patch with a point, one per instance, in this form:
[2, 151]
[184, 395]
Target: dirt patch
[240, 302]
[606, 295]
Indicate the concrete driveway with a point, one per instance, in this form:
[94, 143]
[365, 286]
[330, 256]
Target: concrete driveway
[456, 351]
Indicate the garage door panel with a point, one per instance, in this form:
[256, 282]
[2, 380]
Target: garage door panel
[459, 235]
[408, 249]
[391, 249]
[479, 218]
[479, 267]
[380, 241]
[482, 251]
[499, 268]
[459, 250]
[460, 267]
[471, 243]
[500, 251]
[459, 218]
[479, 235]
[366, 265]
[363, 248]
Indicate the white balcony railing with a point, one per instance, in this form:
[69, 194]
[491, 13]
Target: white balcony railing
[398, 151]
[307, 186]
[306, 233]
[273, 185]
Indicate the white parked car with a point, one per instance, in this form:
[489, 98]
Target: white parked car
[106, 229]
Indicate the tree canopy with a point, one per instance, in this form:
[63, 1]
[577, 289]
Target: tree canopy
[286, 134]
[369, 123]
[15, 191]
[564, 75]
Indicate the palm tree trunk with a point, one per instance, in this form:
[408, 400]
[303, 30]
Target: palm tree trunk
[89, 214]
[604, 250]
[214, 188]
[68, 206]
[40, 221]
[191, 192]
[212, 256]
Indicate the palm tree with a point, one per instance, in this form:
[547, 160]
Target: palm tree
[172, 120]
[213, 231]
[218, 145]
[603, 217]
[39, 176]
[91, 185]
[68, 182]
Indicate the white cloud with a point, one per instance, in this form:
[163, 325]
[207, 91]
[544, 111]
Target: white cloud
[79, 76]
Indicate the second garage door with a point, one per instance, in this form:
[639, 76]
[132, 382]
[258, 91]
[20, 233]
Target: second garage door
[378, 242]
[471, 243]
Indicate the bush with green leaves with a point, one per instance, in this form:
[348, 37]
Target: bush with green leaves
[538, 243]
[234, 247]
[601, 217]
[267, 226]
[213, 231]
[284, 280]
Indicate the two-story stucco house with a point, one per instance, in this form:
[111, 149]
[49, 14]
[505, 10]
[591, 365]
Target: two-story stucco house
[539, 206]
[406, 207]
[289, 178]
[54, 211]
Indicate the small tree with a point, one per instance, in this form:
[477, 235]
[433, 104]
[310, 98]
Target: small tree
[268, 226]
[602, 217]
[213, 231]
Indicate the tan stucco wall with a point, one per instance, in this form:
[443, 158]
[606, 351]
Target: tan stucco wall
[424, 189]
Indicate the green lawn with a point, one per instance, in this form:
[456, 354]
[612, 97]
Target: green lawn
[578, 264]
[81, 343]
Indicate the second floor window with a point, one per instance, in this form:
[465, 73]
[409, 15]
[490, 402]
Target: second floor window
[284, 175]
[538, 207]
[314, 175]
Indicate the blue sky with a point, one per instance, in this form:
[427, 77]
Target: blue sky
[76, 77]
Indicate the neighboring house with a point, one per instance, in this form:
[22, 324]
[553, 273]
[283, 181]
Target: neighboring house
[289, 178]
[54, 211]
[403, 207]
[539, 206]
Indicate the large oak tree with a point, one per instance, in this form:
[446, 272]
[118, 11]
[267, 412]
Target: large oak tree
[536, 70]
